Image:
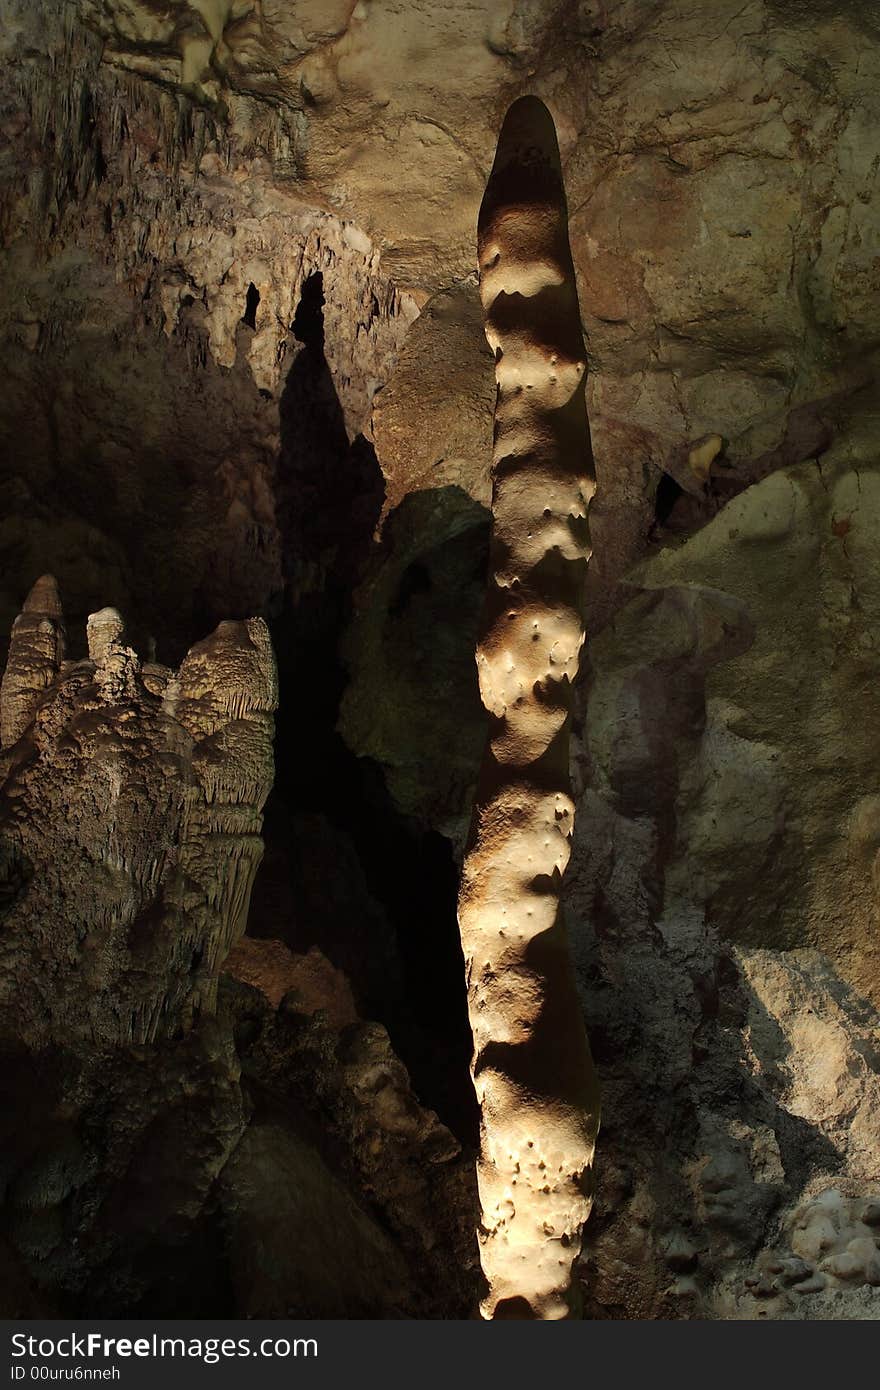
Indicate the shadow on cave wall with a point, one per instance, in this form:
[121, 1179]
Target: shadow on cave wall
[130, 464]
[344, 870]
[133, 466]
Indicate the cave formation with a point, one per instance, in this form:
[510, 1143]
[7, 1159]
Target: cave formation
[251, 520]
[532, 1071]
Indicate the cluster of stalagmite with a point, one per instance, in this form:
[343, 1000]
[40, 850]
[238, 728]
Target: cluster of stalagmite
[531, 1066]
[132, 799]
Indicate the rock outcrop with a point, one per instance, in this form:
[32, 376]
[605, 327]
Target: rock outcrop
[723, 861]
[132, 805]
[264, 1141]
[386, 1147]
[179, 441]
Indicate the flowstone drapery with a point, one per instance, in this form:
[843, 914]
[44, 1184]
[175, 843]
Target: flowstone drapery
[531, 1066]
[132, 800]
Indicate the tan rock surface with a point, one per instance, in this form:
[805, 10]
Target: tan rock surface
[130, 828]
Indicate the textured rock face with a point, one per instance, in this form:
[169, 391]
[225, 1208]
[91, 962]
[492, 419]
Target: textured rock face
[723, 861]
[719, 163]
[265, 1164]
[173, 179]
[132, 801]
[152, 358]
[132, 798]
[136, 1105]
[399, 1161]
[351, 94]
[728, 768]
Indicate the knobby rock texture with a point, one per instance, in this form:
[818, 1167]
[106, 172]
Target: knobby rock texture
[245, 379]
[531, 1067]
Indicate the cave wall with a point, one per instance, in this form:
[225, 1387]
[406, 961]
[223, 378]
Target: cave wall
[180, 440]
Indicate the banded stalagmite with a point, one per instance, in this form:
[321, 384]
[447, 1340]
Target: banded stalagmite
[531, 1064]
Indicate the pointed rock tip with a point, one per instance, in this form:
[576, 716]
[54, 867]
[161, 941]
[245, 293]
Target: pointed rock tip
[44, 597]
[529, 128]
[527, 170]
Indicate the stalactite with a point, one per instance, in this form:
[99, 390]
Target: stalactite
[531, 1066]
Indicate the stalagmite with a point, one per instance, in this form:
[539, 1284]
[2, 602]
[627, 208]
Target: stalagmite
[531, 1065]
[131, 801]
[116, 666]
[36, 650]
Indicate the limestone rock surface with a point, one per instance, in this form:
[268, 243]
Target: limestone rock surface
[173, 178]
[131, 821]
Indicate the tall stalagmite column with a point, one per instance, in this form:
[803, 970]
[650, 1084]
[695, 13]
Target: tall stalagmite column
[532, 1070]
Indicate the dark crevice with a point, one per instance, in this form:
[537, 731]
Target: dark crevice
[344, 870]
[668, 493]
[416, 580]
